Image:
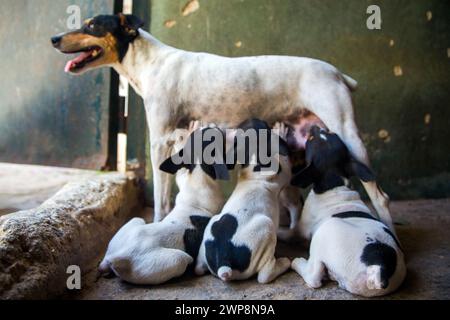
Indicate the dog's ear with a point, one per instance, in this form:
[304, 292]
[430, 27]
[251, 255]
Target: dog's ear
[130, 24]
[216, 171]
[360, 170]
[284, 148]
[328, 181]
[215, 137]
[169, 166]
[221, 171]
[306, 177]
[230, 148]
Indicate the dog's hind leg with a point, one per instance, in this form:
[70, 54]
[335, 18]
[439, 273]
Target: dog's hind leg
[156, 267]
[312, 271]
[201, 268]
[379, 199]
[273, 269]
[291, 199]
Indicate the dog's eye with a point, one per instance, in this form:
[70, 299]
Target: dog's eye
[91, 25]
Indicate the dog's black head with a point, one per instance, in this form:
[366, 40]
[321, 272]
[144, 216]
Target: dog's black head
[329, 162]
[249, 148]
[208, 142]
[102, 41]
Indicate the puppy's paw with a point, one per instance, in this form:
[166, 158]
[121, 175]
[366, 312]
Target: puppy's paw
[313, 283]
[200, 270]
[285, 263]
[299, 264]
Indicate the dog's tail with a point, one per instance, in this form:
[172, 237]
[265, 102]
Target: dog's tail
[351, 83]
[374, 281]
[225, 273]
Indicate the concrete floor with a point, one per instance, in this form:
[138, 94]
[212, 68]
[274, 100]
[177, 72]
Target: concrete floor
[24, 187]
[424, 230]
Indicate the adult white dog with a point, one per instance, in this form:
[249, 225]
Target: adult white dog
[179, 86]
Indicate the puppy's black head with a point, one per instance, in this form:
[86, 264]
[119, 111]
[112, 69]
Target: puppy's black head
[208, 142]
[102, 40]
[329, 162]
[263, 135]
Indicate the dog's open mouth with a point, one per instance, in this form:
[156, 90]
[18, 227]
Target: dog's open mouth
[88, 55]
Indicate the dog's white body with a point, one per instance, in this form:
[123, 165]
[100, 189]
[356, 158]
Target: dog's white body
[255, 207]
[178, 86]
[154, 253]
[337, 244]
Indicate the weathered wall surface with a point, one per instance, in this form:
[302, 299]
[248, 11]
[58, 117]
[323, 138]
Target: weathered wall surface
[46, 116]
[402, 105]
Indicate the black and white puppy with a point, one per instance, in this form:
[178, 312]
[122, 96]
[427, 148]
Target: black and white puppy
[241, 241]
[154, 253]
[359, 252]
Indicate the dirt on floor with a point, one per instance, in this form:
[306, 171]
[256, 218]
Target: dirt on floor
[424, 231]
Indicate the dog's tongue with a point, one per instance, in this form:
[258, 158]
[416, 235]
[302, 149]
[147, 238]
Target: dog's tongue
[70, 64]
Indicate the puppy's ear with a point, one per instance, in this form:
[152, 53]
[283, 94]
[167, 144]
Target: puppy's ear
[130, 24]
[284, 148]
[216, 171]
[360, 170]
[169, 166]
[221, 171]
[305, 178]
[230, 148]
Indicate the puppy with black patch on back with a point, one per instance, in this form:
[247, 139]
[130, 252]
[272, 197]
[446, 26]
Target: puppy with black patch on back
[149, 254]
[359, 251]
[241, 241]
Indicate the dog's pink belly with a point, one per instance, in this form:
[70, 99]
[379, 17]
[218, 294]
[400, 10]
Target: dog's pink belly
[300, 129]
[300, 120]
[228, 118]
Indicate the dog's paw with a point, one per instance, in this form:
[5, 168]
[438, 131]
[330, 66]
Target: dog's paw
[298, 265]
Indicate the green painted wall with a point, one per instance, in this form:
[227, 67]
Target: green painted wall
[46, 116]
[404, 120]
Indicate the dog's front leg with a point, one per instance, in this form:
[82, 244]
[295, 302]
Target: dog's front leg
[160, 151]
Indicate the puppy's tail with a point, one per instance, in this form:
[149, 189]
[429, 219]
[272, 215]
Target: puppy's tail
[225, 273]
[374, 280]
[351, 83]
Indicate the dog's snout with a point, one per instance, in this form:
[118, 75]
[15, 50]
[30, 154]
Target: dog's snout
[56, 40]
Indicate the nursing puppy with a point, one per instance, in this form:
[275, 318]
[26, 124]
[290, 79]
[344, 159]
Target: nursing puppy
[154, 253]
[359, 252]
[240, 242]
